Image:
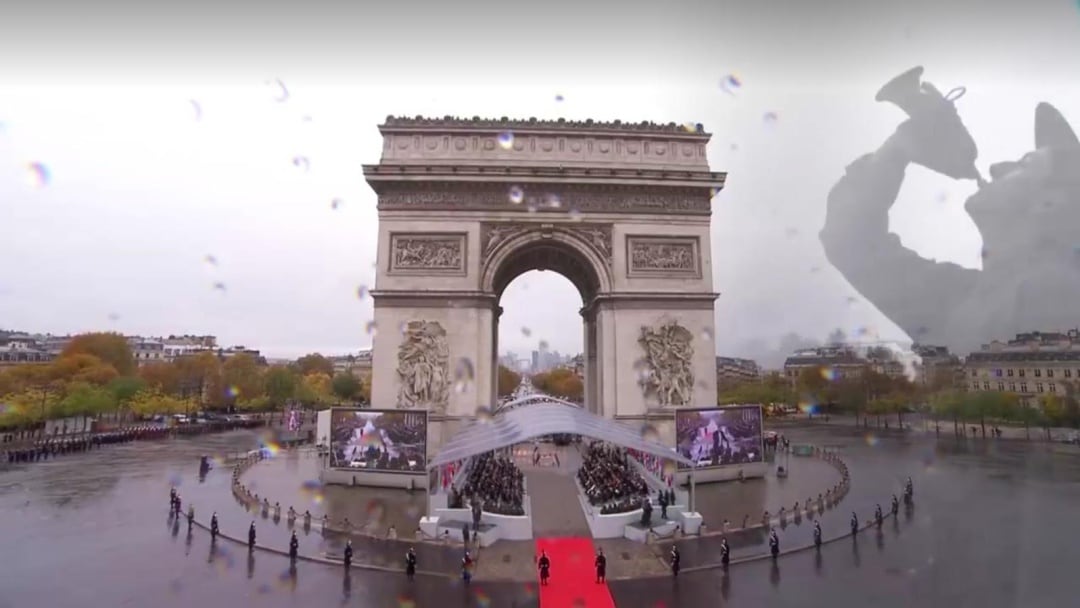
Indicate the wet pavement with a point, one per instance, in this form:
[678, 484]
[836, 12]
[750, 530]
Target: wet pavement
[991, 527]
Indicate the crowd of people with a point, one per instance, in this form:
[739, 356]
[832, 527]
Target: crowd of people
[497, 482]
[610, 482]
[52, 447]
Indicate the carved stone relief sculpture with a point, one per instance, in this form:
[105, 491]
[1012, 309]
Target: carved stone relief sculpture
[668, 370]
[424, 367]
[672, 256]
[427, 252]
[597, 236]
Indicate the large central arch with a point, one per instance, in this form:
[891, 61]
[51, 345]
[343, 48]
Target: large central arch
[622, 211]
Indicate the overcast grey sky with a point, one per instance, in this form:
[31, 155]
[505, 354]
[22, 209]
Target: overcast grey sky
[144, 183]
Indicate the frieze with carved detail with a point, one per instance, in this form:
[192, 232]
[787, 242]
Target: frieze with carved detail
[676, 256]
[695, 202]
[597, 236]
[667, 368]
[427, 252]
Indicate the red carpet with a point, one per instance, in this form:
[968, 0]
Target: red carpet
[573, 575]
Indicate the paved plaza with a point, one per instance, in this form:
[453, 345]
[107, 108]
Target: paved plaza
[990, 528]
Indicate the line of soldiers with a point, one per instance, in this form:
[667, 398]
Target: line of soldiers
[56, 446]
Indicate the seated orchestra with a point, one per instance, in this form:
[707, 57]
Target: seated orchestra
[610, 481]
[496, 482]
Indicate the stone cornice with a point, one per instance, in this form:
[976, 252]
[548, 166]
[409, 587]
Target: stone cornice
[377, 175]
[421, 123]
[538, 197]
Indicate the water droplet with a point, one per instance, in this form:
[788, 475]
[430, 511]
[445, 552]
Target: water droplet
[463, 375]
[553, 201]
[279, 90]
[301, 162]
[114, 317]
[707, 334]
[791, 233]
[852, 300]
[196, 108]
[544, 345]
[730, 83]
[506, 140]
[370, 328]
[210, 259]
[531, 207]
[559, 97]
[38, 175]
[649, 433]
[220, 286]
[337, 202]
[770, 118]
[517, 195]
[574, 214]
[484, 415]
[362, 292]
[525, 331]
[403, 327]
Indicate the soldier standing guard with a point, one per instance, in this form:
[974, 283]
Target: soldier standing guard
[410, 563]
[601, 567]
[675, 559]
[545, 567]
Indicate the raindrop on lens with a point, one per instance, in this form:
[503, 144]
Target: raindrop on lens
[525, 331]
[649, 433]
[483, 415]
[337, 202]
[506, 140]
[362, 292]
[370, 328]
[517, 195]
[301, 162]
[38, 175]
[707, 334]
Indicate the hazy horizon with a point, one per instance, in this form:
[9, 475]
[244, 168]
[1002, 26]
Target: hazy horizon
[161, 150]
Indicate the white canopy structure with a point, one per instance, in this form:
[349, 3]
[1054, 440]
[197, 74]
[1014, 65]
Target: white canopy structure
[513, 425]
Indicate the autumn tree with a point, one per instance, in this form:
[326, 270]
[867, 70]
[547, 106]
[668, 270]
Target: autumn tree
[315, 390]
[82, 367]
[112, 348]
[200, 377]
[83, 399]
[241, 377]
[560, 382]
[508, 380]
[162, 377]
[314, 364]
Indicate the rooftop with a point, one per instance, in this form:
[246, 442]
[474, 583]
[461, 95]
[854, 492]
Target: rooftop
[690, 131]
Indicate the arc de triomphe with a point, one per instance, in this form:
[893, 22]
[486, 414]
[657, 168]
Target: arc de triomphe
[622, 210]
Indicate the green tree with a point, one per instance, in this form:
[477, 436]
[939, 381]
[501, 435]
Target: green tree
[125, 388]
[151, 403]
[280, 384]
[1053, 412]
[508, 380]
[314, 364]
[315, 390]
[346, 386]
[84, 399]
[112, 348]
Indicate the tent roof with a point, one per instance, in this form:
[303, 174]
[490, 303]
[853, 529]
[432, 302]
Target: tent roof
[512, 426]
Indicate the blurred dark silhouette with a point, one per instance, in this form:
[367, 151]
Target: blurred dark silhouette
[1026, 213]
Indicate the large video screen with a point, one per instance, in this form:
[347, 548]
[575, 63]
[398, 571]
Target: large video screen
[720, 437]
[378, 440]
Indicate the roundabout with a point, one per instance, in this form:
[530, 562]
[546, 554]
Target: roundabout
[100, 518]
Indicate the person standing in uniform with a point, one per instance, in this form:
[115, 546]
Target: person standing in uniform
[410, 563]
[251, 536]
[545, 567]
[725, 553]
[213, 527]
[675, 561]
[294, 547]
[348, 554]
[774, 545]
[601, 567]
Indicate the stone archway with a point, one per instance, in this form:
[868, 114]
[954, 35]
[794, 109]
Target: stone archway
[623, 211]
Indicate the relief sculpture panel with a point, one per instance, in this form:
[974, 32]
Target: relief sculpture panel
[424, 367]
[596, 236]
[668, 365]
[421, 253]
[676, 257]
